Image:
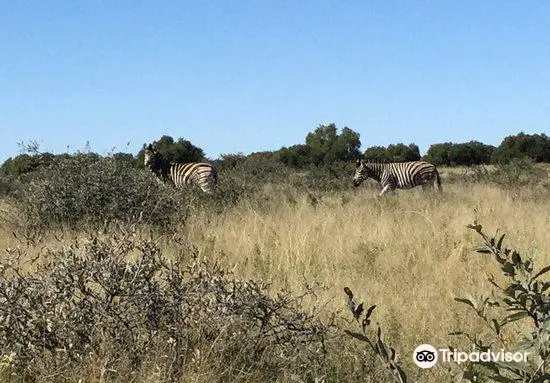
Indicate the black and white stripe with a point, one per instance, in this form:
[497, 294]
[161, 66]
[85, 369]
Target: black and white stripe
[397, 175]
[201, 174]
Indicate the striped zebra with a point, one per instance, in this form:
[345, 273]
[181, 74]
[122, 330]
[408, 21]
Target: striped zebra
[201, 174]
[397, 175]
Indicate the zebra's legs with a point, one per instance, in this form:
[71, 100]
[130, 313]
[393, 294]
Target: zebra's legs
[385, 189]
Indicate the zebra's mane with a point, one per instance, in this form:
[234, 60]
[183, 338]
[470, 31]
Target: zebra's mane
[385, 161]
[377, 161]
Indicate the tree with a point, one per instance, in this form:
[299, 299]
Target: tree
[180, 151]
[377, 153]
[402, 153]
[127, 158]
[228, 161]
[346, 147]
[463, 154]
[320, 142]
[296, 156]
[394, 152]
[535, 146]
[438, 154]
[325, 145]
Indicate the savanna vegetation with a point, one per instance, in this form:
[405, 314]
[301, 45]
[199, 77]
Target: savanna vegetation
[107, 275]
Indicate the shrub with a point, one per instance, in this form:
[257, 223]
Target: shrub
[524, 295]
[118, 302]
[10, 186]
[25, 163]
[84, 189]
[516, 173]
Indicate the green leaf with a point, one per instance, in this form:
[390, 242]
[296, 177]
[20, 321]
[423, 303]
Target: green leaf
[482, 249]
[358, 311]
[499, 243]
[514, 317]
[469, 300]
[457, 333]
[525, 344]
[543, 271]
[496, 326]
[356, 335]
[508, 269]
[475, 226]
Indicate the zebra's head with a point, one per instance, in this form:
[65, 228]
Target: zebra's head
[362, 173]
[148, 155]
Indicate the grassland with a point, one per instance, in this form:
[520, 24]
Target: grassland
[410, 254]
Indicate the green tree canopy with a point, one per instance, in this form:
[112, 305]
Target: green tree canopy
[376, 153]
[25, 163]
[325, 145]
[394, 152]
[463, 154]
[534, 146]
[296, 156]
[177, 151]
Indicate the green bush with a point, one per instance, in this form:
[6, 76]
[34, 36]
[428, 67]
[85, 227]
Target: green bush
[85, 189]
[10, 186]
[25, 163]
[522, 296]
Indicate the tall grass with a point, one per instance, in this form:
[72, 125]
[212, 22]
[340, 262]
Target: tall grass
[410, 254]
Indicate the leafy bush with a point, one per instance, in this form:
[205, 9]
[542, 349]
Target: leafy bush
[25, 163]
[119, 302]
[10, 186]
[385, 353]
[524, 295]
[84, 189]
[518, 172]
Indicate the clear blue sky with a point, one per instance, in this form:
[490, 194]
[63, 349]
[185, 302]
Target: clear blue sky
[244, 76]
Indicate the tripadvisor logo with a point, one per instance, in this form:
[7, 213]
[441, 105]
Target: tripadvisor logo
[426, 356]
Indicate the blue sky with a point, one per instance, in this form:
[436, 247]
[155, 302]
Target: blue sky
[245, 76]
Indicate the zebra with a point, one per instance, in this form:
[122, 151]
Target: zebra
[201, 174]
[397, 175]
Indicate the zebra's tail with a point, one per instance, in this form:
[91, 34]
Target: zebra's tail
[438, 180]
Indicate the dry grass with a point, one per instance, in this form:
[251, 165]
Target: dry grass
[410, 253]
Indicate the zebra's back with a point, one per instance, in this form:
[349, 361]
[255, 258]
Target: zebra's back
[202, 174]
[410, 174]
